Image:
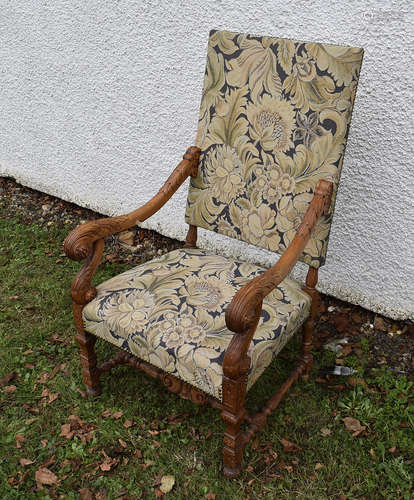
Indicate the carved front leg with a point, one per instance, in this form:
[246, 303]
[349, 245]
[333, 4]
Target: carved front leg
[233, 414]
[86, 341]
[234, 392]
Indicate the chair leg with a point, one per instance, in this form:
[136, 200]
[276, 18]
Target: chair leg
[86, 341]
[233, 413]
[306, 356]
[310, 288]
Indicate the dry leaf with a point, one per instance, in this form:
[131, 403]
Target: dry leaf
[86, 494]
[380, 324]
[289, 447]
[107, 413]
[372, 453]
[126, 237]
[117, 414]
[9, 388]
[45, 476]
[66, 432]
[19, 440]
[325, 432]
[106, 465]
[346, 350]
[47, 394]
[128, 423]
[354, 381]
[8, 378]
[25, 461]
[318, 466]
[122, 443]
[210, 496]
[353, 425]
[167, 483]
[44, 443]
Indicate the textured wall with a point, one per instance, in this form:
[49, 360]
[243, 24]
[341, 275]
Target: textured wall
[99, 100]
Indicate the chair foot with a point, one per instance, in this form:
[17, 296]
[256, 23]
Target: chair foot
[93, 392]
[232, 472]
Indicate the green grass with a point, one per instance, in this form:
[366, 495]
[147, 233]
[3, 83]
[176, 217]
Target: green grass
[36, 336]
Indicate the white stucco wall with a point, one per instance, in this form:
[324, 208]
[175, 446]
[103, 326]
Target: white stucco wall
[99, 100]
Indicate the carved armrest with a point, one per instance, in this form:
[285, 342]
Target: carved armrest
[243, 313]
[78, 243]
[87, 240]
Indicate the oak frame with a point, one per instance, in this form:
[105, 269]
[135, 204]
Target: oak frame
[86, 242]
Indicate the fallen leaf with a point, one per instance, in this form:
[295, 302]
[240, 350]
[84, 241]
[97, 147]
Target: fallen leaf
[19, 440]
[167, 483]
[318, 466]
[372, 453]
[353, 425]
[122, 443]
[44, 443]
[354, 381]
[9, 388]
[128, 423]
[106, 465]
[210, 496]
[86, 494]
[117, 414]
[25, 461]
[66, 432]
[289, 447]
[8, 378]
[126, 237]
[346, 350]
[45, 476]
[380, 324]
[325, 432]
[47, 394]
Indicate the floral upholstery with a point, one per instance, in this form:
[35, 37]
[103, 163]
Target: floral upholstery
[170, 312]
[273, 121]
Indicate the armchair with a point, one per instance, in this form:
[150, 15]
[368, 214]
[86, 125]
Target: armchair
[274, 119]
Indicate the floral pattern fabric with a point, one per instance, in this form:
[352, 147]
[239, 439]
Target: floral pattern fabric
[170, 312]
[274, 119]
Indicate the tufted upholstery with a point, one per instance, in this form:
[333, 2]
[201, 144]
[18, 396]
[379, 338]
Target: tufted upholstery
[273, 121]
[170, 312]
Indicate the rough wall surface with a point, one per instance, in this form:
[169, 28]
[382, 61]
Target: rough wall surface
[99, 100]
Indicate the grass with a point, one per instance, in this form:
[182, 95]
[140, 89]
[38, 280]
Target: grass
[170, 436]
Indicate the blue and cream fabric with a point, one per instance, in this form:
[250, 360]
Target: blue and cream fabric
[273, 121]
[170, 312]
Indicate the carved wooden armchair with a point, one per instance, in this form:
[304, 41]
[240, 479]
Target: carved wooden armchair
[273, 124]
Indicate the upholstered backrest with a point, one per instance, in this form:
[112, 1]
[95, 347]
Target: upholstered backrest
[274, 120]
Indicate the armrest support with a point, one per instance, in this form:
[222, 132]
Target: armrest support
[78, 244]
[243, 313]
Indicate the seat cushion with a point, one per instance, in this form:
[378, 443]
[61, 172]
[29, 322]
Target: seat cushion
[170, 312]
